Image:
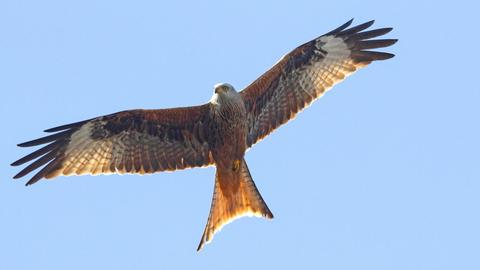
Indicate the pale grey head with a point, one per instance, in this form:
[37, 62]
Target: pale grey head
[223, 88]
[224, 92]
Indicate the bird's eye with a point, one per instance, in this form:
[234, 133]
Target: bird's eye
[225, 88]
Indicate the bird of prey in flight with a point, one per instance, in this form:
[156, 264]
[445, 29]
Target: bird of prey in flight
[216, 133]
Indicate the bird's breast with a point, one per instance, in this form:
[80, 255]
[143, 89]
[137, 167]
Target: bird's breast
[230, 132]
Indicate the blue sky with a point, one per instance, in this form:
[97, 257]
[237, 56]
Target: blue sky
[381, 173]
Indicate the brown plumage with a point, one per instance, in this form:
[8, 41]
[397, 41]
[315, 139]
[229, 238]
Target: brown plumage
[217, 133]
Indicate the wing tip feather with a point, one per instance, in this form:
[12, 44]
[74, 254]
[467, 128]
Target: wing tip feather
[340, 28]
[24, 144]
[15, 163]
[67, 126]
[368, 56]
[360, 42]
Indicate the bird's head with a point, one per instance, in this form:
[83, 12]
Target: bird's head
[223, 88]
[224, 92]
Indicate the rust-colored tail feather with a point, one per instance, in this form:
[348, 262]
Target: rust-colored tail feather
[244, 200]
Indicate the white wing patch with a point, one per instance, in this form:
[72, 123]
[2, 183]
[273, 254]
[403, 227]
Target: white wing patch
[336, 65]
[85, 155]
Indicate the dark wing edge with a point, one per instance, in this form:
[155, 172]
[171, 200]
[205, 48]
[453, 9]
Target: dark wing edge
[135, 141]
[307, 72]
[51, 153]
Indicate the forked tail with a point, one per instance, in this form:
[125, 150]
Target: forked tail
[235, 195]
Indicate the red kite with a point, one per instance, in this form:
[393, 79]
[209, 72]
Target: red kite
[216, 133]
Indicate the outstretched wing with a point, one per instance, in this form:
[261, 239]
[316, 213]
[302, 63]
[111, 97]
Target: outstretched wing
[136, 141]
[306, 73]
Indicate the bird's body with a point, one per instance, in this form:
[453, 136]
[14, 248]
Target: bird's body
[235, 193]
[230, 121]
[216, 133]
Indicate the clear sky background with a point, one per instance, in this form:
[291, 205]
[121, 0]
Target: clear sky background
[381, 173]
